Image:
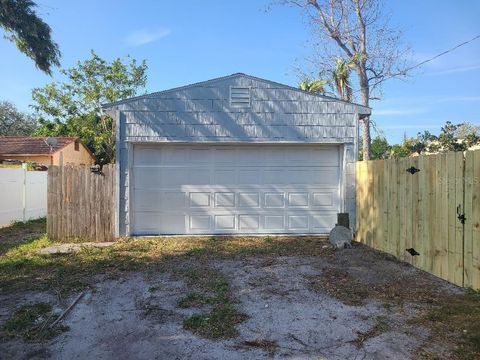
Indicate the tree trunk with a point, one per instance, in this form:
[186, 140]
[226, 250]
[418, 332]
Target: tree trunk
[366, 138]
[365, 91]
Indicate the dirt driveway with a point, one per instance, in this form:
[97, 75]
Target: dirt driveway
[243, 300]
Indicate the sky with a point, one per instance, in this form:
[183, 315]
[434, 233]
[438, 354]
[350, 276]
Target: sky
[189, 41]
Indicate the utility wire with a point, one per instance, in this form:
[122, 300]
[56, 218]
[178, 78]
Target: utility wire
[443, 53]
[403, 72]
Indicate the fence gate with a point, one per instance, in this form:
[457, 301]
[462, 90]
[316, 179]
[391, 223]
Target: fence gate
[428, 203]
[81, 204]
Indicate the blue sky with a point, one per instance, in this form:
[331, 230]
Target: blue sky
[190, 41]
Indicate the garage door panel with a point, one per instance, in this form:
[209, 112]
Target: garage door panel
[322, 222]
[154, 200]
[274, 200]
[324, 199]
[249, 199]
[298, 222]
[249, 222]
[224, 156]
[225, 222]
[326, 176]
[298, 199]
[146, 223]
[224, 199]
[249, 176]
[199, 199]
[200, 155]
[225, 177]
[275, 223]
[200, 223]
[234, 189]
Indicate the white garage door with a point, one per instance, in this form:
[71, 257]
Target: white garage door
[234, 189]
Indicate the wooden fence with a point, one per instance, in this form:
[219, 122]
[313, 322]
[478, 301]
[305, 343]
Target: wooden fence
[424, 210]
[81, 204]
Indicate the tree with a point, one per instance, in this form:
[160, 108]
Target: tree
[31, 35]
[341, 79]
[358, 31]
[452, 137]
[380, 148]
[14, 122]
[74, 107]
[313, 86]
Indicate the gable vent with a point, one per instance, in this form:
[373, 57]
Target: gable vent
[240, 97]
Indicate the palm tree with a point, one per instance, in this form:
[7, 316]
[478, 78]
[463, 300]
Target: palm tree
[341, 79]
[313, 86]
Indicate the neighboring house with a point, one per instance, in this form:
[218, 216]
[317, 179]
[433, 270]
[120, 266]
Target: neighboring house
[234, 155]
[35, 149]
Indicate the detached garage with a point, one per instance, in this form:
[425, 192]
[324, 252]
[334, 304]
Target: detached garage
[234, 155]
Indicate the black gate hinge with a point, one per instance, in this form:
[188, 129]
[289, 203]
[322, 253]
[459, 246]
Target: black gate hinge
[461, 216]
[412, 170]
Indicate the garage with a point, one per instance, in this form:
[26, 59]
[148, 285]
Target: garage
[234, 155]
[235, 189]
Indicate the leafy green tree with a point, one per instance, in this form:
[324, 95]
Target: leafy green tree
[14, 122]
[452, 137]
[31, 35]
[74, 107]
[313, 86]
[380, 148]
[341, 79]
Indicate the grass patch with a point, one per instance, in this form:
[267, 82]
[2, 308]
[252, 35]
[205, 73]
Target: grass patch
[20, 233]
[218, 323]
[391, 288]
[338, 284]
[32, 322]
[212, 289]
[22, 268]
[194, 299]
[457, 320]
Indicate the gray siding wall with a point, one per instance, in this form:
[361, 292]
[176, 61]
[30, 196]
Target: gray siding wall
[202, 113]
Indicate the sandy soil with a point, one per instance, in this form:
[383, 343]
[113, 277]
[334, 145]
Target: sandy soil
[137, 317]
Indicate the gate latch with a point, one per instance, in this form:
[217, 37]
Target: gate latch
[461, 216]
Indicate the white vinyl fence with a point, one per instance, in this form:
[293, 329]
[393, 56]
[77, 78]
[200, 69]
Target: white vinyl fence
[23, 195]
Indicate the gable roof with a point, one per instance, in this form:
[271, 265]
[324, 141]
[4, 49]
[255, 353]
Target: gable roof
[232, 76]
[26, 145]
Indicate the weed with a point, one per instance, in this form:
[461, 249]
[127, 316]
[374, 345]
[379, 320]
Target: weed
[32, 322]
[212, 289]
[194, 299]
[220, 322]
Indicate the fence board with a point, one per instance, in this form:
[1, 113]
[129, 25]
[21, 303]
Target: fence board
[398, 210]
[80, 203]
[474, 224]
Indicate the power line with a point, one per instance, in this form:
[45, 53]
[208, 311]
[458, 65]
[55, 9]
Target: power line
[443, 53]
[403, 72]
